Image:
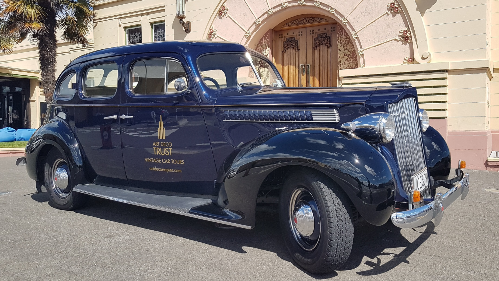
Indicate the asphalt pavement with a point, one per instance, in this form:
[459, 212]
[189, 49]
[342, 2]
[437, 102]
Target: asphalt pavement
[112, 241]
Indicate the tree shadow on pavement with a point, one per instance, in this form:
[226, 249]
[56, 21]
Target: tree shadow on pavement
[370, 241]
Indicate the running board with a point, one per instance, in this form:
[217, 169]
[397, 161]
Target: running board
[199, 208]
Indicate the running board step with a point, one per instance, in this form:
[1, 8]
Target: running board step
[199, 208]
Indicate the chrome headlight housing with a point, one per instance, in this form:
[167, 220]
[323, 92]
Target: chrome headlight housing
[387, 128]
[425, 120]
[374, 127]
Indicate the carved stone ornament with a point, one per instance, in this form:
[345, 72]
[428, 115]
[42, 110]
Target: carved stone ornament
[212, 33]
[222, 12]
[394, 7]
[304, 21]
[408, 60]
[290, 43]
[317, 3]
[301, 2]
[405, 36]
[285, 4]
[322, 39]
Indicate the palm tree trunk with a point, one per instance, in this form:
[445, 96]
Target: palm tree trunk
[47, 48]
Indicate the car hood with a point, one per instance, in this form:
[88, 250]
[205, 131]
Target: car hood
[316, 96]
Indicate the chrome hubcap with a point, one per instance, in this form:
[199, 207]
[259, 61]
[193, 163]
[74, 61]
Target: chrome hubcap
[304, 219]
[60, 178]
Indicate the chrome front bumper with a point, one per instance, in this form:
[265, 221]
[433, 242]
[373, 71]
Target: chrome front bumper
[434, 210]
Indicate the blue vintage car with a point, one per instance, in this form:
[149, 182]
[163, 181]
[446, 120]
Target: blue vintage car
[209, 130]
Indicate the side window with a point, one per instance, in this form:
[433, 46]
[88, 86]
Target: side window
[101, 80]
[157, 76]
[66, 88]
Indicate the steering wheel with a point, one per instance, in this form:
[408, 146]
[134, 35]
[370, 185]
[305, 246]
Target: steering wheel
[212, 81]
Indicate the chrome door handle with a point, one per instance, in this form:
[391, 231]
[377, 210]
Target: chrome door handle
[111, 117]
[308, 75]
[123, 116]
[302, 68]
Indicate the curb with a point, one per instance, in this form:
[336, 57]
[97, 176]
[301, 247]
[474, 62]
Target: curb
[10, 152]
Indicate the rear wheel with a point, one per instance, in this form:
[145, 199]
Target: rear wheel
[59, 183]
[315, 220]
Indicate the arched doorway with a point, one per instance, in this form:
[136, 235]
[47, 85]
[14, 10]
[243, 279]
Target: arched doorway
[367, 35]
[305, 51]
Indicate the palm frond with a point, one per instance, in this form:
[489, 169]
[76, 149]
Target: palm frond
[76, 17]
[28, 10]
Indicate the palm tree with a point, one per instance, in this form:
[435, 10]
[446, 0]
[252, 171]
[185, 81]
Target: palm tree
[39, 20]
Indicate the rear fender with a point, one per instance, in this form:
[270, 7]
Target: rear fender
[58, 134]
[354, 165]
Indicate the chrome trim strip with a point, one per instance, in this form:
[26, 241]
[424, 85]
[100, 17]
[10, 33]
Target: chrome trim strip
[173, 211]
[279, 121]
[328, 115]
[278, 116]
[434, 210]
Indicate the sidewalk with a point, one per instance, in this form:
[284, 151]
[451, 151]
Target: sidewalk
[11, 152]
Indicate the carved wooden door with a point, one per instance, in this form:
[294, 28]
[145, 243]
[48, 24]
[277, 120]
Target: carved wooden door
[307, 57]
[290, 50]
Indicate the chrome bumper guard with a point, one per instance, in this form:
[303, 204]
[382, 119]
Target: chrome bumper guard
[434, 210]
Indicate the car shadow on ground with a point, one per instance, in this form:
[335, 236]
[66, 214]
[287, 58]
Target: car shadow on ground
[370, 241]
[374, 242]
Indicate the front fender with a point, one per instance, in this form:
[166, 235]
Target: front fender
[58, 134]
[357, 167]
[437, 154]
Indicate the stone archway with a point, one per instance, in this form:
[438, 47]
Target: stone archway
[381, 31]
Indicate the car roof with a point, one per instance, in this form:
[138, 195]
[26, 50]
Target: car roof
[191, 48]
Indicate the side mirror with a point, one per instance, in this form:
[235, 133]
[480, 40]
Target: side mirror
[180, 84]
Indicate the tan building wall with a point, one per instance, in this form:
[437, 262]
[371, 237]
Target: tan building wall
[494, 83]
[449, 50]
[23, 63]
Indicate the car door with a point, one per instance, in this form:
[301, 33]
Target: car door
[96, 120]
[165, 141]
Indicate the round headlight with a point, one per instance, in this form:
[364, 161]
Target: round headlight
[425, 119]
[387, 128]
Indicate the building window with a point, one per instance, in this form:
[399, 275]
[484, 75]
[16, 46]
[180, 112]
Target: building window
[133, 35]
[158, 32]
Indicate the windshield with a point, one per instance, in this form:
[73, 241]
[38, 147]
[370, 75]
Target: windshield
[237, 73]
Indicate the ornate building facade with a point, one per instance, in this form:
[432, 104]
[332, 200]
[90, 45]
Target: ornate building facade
[449, 50]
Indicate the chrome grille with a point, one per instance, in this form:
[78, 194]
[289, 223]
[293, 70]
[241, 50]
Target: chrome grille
[408, 140]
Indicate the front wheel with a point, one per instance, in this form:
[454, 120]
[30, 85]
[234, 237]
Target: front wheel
[316, 223]
[59, 182]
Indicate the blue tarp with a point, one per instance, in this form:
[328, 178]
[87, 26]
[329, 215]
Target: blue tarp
[7, 134]
[24, 134]
[10, 134]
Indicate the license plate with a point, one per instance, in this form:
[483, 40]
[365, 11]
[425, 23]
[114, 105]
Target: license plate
[420, 180]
